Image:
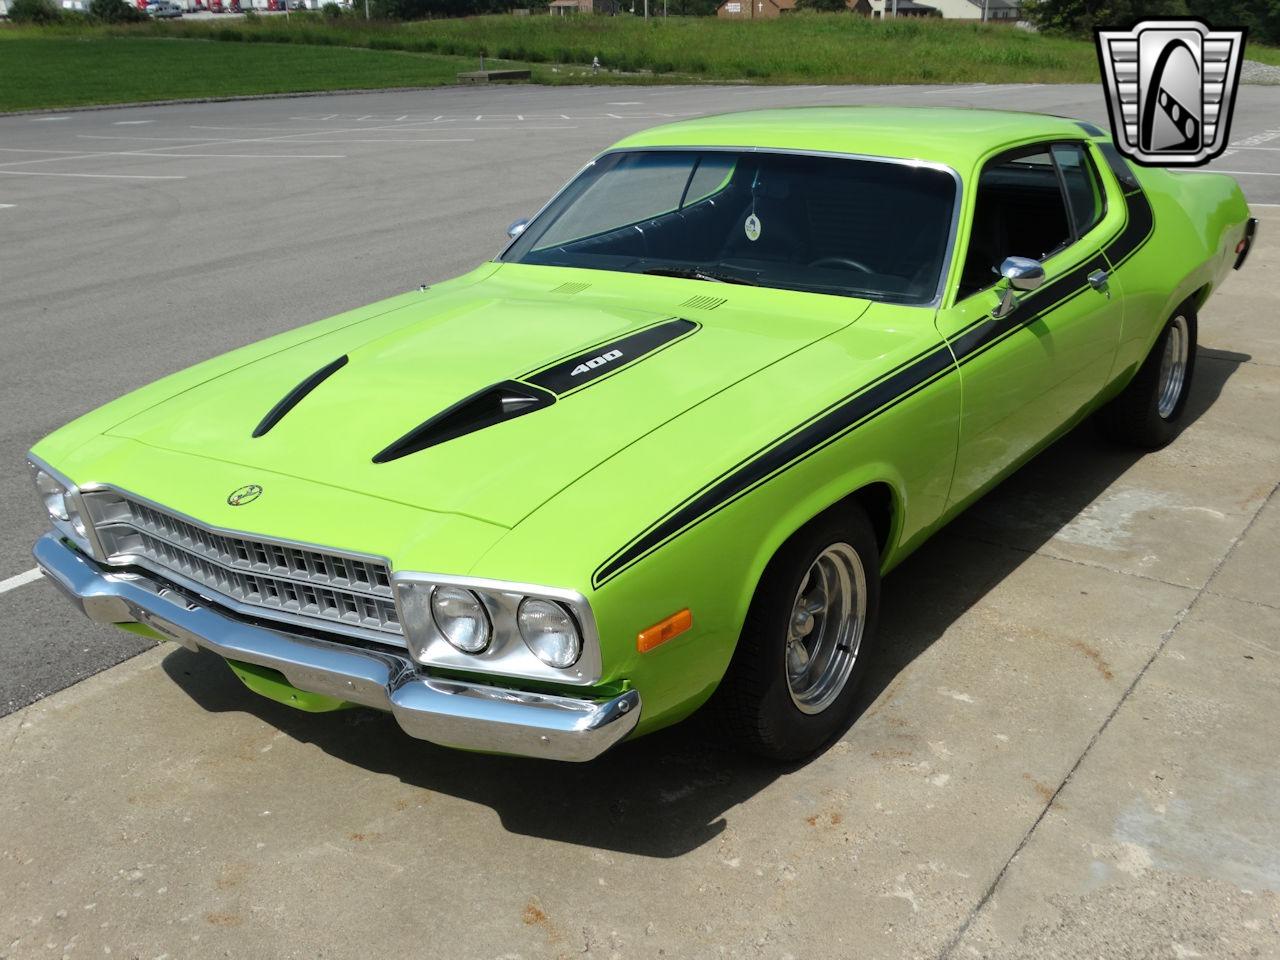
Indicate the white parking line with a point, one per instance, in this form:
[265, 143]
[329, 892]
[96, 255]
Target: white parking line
[214, 141]
[174, 156]
[13, 583]
[96, 176]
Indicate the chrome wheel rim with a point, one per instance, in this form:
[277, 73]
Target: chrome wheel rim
[825, 629]
[1173, 367]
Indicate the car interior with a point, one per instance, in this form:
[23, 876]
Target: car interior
[829, 225]
[1021, 211]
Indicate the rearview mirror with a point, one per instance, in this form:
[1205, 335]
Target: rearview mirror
[517, 228]
[1024, 275]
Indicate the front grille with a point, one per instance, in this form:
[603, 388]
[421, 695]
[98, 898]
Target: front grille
[297, 583]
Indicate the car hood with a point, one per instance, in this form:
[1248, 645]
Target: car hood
[532, 331]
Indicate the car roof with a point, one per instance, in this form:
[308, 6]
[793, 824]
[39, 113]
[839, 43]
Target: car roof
[952, 136]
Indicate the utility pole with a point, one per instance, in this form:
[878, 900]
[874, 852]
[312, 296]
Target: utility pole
[895, 8]
[646, 11]
[984, 10]
[366, 9]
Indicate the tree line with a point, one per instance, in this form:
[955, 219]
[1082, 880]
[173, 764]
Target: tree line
[1080, 17]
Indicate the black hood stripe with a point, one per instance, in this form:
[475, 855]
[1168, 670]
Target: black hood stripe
[505, 401]
[881, 395]
[568, 375]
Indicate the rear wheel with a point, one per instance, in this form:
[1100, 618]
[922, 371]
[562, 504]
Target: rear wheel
[805, 644]
[1148, 412]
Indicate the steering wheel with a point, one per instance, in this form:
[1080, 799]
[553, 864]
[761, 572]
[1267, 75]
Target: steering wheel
[841, 262]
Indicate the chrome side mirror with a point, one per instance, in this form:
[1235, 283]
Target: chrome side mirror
[517, 228]
[1024, 275]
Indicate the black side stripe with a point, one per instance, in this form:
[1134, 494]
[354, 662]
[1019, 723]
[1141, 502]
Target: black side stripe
[1137, 231]
[888, 391]
[294, 396]
[603, 360]
[805, 442]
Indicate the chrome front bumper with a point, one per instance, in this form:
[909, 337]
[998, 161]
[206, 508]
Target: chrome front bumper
[451, 713]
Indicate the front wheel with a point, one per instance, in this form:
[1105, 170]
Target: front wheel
[792, 682]
[1148, 412]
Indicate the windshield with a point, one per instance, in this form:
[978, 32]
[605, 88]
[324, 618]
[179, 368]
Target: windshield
[837, 225]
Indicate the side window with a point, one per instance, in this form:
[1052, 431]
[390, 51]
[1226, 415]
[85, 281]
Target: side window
[1020, 212]
[1084, 192]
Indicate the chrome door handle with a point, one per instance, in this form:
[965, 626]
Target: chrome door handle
[1098, 280]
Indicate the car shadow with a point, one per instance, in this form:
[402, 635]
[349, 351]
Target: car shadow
[668, 793]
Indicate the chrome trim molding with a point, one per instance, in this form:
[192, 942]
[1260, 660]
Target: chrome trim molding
[507, 652]
[89, 542]
[450, 713]
[948, 253]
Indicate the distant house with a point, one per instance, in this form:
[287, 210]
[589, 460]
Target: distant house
[564, 8]
[905, 8]
[754, 9]
[950, 9]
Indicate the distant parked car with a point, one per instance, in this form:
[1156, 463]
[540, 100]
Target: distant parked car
[163, 9]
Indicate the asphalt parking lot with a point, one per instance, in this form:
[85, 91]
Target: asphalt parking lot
[1069, 750]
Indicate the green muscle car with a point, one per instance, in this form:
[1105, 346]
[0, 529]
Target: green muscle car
[660, 451]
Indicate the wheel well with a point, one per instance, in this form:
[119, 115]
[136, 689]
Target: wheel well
[878, 502]
[1197, 299]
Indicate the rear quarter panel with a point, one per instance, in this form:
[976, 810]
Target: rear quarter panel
[1199, 219]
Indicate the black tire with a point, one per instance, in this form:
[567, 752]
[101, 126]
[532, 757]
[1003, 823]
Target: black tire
[1135, 417]
[753, 706]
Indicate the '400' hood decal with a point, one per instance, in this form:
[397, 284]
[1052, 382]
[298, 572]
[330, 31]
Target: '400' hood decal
[408, 366]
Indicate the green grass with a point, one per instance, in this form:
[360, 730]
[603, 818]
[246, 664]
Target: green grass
[67, 71]
[77, 64]
[1263, 54]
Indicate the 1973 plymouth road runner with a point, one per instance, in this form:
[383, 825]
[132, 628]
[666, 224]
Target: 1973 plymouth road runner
[661, 450]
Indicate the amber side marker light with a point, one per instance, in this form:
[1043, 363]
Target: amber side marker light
[663, 631]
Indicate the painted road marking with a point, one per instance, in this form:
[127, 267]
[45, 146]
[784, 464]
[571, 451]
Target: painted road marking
[13, 583]
[214, 141]
[47, 119]
[7, 206]
[92, 176]
[70, 156]
[130, 123]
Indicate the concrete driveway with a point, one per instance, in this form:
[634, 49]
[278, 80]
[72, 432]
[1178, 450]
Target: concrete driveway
[1068, 748]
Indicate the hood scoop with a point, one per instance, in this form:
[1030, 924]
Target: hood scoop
[484, 408]
[295, 396]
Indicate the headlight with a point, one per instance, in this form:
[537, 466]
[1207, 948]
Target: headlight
[550, 632]
[461, 619]
[54, 495]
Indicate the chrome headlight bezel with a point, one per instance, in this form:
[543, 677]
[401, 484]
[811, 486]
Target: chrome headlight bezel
[507, 653]
[60, 499]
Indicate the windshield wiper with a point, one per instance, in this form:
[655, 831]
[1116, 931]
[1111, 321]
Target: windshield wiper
[697, 273]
